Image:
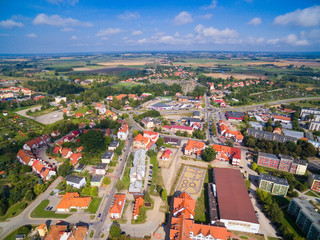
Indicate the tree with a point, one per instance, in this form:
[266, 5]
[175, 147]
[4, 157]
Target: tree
[65, 117]
[64, 169]
[39, 188]
[94, 191]
[135, 133]
[160, 142]
[29, 195]
[63, 103]
[93, 141]
[115, 231]
[209, 154]
[164, 195]
[106, 181]
[213, 129]
[254, 166]
[229, 143]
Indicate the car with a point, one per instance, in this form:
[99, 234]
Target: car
[150, 176]
[100, 221]
[99, 215]
[47, 208]
[91, 224]
[151, 167]
[150, 172]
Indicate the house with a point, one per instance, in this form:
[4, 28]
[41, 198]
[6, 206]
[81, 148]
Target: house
[123, 131]
[81, 125]
[282, 119]
[96, 180]
[75, 157]
[101, 168]
[194, 147]
[153, 136]
[183, 225]
[166, 155]
[19, 237]
[113, 145]
[228, 154]
[232, 115]
[55, 133]
[80, 168]
[66, 152]
[225, 131]
[42, 229]
[117, 206]
[63, 232]
[78, 115]
[141, 142]
[75, 181]
[73, 201]
[172, 141]
[277, 130]
[107, 157]
[136, 208]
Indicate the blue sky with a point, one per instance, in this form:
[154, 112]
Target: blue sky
[66, 26]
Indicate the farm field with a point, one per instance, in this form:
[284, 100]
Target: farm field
[238, 76]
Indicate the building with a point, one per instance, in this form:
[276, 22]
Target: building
[232, 115]
[123, 131]
[166, 155]
[228, 154]
[306, 216]
[101, 168]
[183, 226]
[117, 206]
[75, 181]
[176, 128]
[225, 131]
[141, 142]
[58, 99]
[172, 141]
[65, 232]
[113, 145]
[234, 206]
[153, 136]
[42, 230]
[282, 119]
[270, 136]
[137, 172]
[96, 180]
[161, 106]
[273, 185]
[80, 168]
[294, 134]
[314, 126]
[306, 112]
[107, 157]
[283, 163]
[73, 201]
[136, 208]
[194, 147]
[314, 182]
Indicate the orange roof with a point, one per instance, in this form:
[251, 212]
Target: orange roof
[281, 118]
[119, 97]
[141, 139]
[191, 144]
[185, 202]
[56, 232]
[65, 110]
[72, 200]
[78, 233]
[118, 203]
[136, 208]
[79, 114]
[124, 128]
[79, 149]
[65, 151]
[226, 152]
[132, 95]
[151, 135]
[45, 173]
[42, 226]
[166, 154]
[74, 158]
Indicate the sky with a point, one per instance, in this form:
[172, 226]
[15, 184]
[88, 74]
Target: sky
[71, 26]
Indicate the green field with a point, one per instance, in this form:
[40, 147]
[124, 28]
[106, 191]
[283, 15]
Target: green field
[39, 212]
[14, 210]
[94, 205]
[201, 213]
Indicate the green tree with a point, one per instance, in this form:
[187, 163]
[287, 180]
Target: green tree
[164, 195]
[65, 117]
[29, 195]
[115, 231]
[209, 154]
[229, 143]
[254, 166]
[93, 141]
[94, 191]
[106, 181]
[160, 142]
[39, 188]
[64, 169]
[135, 133]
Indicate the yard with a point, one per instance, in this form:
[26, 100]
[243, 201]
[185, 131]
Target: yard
[40, 212]
[94, 205]
[201, 214]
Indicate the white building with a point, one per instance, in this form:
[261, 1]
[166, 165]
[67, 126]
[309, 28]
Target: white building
[75, 181]
[58, 99]
[137, 172]
[123, 132]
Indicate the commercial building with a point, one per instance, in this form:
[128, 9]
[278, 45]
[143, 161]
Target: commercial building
[273, 185]
[73, 201]
[183, 226]
[232, 115]
[270, 136]
[282, 163]
[314, 182]
[307, 218]
[161, 106]
[234, 207]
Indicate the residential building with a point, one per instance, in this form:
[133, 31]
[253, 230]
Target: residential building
[137, 172]
[58, 99]
[73, 201]
[141, 142]
[283, 163]
[282, 119]
[273, 185]
[314, 182]
[277, 130]
[172, 141]
[314, 126]
[75, 181]
[153, 136]
[136, 208]
[123, 131]
[107, 157]
[117, 206]
[306, 112]
[196, 114]
[228, 154]
[270, 136]
[166, 155]
[75, 157]
[183, 226]
[96, 180]
[232, 115]
[176, 128]
[294, 134]
[256, 125]
[113, 145]
[234, 206]
[306, 217]
[80, 168]
[194, 147]
[65, 232]
[101, 168]
[225, 131]
[42, 230]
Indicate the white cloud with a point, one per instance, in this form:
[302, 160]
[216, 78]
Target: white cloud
[291, 39]
[255, 21]
[207, 16]
[74, 37]
[308, 17]
[31, 35]
[253, 40]
[67, 29]
[213, 4]
[80, 45]
[183, 18]
[10, 24]
[56, 20]
[108, 32]
[104, 38]
[136, 32]
[57, 2]
[211, 34]
[129, 16]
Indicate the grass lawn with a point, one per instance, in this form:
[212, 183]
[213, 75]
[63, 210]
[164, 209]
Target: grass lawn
[311, 194]
[273, 238]
[201, 215]
[248, 183]
[281, 201]
[39, 212]
[290, 223]
[14, 210]
[94, 204]
[12, 235]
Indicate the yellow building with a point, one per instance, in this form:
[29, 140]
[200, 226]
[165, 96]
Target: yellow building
[42, 229]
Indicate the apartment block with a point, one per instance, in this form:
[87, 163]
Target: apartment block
[314, 182]
[273, 185]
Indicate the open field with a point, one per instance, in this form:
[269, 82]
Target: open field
[125, 63]
[235, 75]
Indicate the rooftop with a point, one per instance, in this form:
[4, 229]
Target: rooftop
[108, 154]
[73, 178]
[101, 166]
[281, 181]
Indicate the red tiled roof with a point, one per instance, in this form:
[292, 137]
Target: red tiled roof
[73, 200]
[118, 203]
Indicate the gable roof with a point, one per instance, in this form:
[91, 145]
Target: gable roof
[73, 200]
[118, 203]
[191, 144]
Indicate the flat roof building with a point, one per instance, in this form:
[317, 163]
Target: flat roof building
[273, 185]
[234, 205]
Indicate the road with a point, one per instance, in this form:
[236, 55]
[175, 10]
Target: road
[107, 200]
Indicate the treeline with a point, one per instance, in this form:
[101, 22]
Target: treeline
[58, 87]
[198, 91]
[273, 211]
[299, 79]
[301, 149]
